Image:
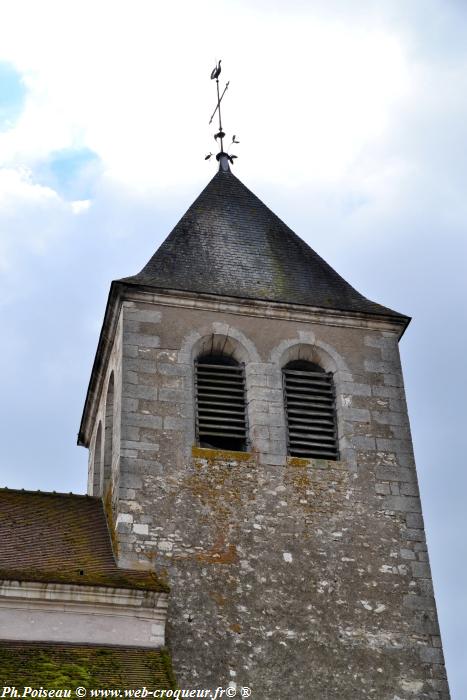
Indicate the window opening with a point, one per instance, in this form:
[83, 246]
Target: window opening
[97, 463]
[309, 401]
[108, 432]
[221, 419]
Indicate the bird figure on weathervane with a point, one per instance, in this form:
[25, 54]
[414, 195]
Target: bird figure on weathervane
[215, 73]
[222, 157]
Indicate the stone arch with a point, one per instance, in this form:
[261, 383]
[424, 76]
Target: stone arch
[308, 347]
[315, 351]
[221, 337]
[97, 472]
[109, 427]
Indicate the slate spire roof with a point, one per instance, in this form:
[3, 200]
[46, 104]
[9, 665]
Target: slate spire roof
[229, 243]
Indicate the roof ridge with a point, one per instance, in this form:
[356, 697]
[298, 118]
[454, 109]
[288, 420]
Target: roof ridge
[7, 489]
[92, 645]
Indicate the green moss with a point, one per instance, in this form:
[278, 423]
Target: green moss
[167, 664]
[120, 578]
[60, 667]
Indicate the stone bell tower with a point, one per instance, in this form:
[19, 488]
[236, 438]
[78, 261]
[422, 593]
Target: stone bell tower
[247, 426]
[247, 429]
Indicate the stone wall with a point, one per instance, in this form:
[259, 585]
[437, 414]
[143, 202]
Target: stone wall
[108, 408]
[298, 578]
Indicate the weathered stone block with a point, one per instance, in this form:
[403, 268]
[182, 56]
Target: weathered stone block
[417, 602]
[394, 445]
[415, 535]
[389, 417]
[140, 446]
[265, 394]
[409, 489]
[141, 365]
[175, 395]
[431, 655]
[356, 414]
[414, 520]
[130, 481]
[393, 380]
[169, 369]
[383, 489]
[129, 405]
[143, 421]
[147, 315]
[140, 528]
[420, 569]
[143, 339]
[355, 389]
[361, 442]
[140, 391]
[380, 367]
[130, 351]
[172, 423]
[387, 391]
[395, 474]
[407, 554]
[404, 504]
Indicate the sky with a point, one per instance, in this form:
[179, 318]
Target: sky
[352, 122]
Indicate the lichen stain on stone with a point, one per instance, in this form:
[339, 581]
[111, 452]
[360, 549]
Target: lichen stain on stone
[319, 486]
[298, 462]
[218, 598]
[413, 687]
[220, 455]
[222, 490]
[109, 513]
[220, 553]
[235, 627]
[218, 485]
[163, 575]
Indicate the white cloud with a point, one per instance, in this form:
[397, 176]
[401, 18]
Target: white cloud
[80, 205]
[131, 83]
[27, 213]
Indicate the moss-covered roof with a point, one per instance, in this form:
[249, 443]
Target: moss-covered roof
[66, 666]
[61, 538]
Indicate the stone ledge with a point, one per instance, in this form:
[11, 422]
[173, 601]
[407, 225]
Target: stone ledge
[314, 463]
[82, 595]
[211, 454]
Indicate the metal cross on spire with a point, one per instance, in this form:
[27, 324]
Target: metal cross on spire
[222, 157]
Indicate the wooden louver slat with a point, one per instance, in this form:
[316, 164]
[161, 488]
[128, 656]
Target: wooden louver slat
[310, 411]
[220, 405]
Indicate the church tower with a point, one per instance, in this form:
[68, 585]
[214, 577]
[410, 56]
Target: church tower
[248, 431]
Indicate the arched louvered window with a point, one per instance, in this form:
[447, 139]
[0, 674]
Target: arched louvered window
[310, 411]
[97, 476]
[221, 420]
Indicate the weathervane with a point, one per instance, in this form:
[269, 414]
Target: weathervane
[222, 157]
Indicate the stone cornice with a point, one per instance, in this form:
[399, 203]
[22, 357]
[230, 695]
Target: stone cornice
[267, 309]
[82, 597]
